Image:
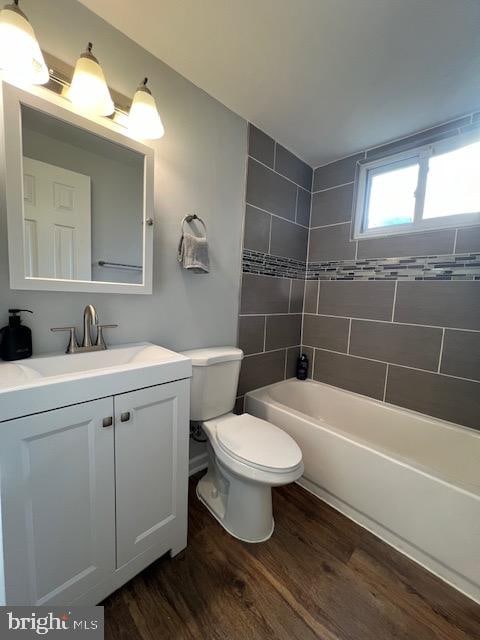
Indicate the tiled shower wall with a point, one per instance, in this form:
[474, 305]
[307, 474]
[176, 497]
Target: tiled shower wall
[397, 318]
[276, 230]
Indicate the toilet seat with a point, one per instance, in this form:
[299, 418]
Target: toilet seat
[258, 444]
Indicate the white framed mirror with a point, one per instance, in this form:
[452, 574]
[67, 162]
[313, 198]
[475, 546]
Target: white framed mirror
[79, 197]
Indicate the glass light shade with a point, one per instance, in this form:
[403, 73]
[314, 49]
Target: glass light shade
[89, 91]
[144, 121]
[21, 58]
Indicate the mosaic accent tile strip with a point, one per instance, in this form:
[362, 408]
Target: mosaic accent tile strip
[449, 267]
[267, 265]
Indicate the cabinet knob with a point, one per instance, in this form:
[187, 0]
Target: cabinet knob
[107, 422]
[125, 416]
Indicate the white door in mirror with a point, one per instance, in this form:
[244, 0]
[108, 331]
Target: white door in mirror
[57, 222]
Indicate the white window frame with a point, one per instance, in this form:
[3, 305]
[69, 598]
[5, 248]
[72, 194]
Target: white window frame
[419, 155]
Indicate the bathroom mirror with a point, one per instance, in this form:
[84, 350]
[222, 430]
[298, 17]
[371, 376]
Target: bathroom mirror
[79, 199]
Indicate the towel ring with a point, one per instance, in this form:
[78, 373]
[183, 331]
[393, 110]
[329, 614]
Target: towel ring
[191, 217]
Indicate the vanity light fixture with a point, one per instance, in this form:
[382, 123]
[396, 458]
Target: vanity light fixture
[88, 90]
[144, 121]
[21, 58]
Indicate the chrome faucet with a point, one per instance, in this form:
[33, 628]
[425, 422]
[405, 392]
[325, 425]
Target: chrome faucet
[90, 319]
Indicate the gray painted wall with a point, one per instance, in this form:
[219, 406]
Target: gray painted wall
[200, 166]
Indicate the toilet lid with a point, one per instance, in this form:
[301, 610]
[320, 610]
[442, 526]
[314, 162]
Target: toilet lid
[258, 442]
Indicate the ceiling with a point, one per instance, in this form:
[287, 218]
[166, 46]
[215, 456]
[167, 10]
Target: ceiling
[326, 78]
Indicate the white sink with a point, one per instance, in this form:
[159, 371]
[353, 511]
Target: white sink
[33, 385]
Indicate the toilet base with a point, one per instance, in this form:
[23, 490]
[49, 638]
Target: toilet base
[243, 508]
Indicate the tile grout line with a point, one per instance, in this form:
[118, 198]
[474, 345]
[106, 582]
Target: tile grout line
[290, 296]
[349, 335]
[296, 207]
[275, 215]
[455, 242]
[335, 186]
[264, 334]
[270, 235]
[334, 224]
[441, 351]
[386, 380]
[278, 172]
[394, 300]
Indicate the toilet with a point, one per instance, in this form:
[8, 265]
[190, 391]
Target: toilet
[247, 456]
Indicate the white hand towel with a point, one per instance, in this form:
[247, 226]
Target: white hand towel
[193, 253]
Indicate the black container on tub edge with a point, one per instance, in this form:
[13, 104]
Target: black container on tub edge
[302, 367]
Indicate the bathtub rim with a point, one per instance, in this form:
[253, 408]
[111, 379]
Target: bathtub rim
[466, 487]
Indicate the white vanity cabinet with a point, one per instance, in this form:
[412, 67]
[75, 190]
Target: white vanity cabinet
[92, 493]
[151, 468]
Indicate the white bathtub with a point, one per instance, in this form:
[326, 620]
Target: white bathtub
[412, 480]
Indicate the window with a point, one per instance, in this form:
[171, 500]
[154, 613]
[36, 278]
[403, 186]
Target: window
[431, 187]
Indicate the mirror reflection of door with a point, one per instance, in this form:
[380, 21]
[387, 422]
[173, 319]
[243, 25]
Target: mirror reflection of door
[57, 213]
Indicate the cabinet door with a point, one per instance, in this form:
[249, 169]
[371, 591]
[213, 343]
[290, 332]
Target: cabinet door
[58, 503]
[151, 468]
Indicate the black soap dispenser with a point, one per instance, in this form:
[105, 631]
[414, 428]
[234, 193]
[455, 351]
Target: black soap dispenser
[16, 338]
[302, 367]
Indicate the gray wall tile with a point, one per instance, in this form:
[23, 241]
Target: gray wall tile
[311, 296]
[444, 304]
[257, 230]
[303, 207]
[292, 357]
[331, 243]
[415, 244]
[283, 331]
[288, 239]
[296, 296]
[251, 330]
[260, 370]
[332, 206]
[264, 294]
[325, 332]
[368, 300]
[468, 239]
[289, 165]
[424, 137]
[355, 374]
[440, 396]
[260, 146]
[335, 173]
[461, 354]
[397, 343]
[270, 191]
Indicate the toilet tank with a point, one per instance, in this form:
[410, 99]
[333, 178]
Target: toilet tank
[214, 381]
